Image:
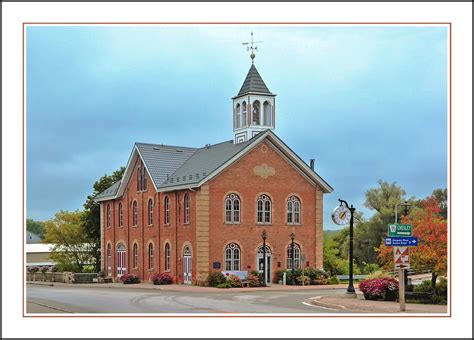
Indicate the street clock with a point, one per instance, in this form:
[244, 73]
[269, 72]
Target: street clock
[341, 215]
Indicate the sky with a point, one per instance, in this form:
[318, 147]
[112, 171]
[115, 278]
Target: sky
[366, 102]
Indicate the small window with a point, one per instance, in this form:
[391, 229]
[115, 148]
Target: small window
[244, 114]
[151, 257]
[167, 257]
[150, 211]
[293, 210]
[135, 213]
[238, 122]
[297, 257]
[167, 210]
[232, 209]
[187, 208]
[267, 114]
[144, 179]
[264, 209]
[135, 255]
[109, 260]
[139, 179]
[108, 215]
[120, 213]
[256, 113]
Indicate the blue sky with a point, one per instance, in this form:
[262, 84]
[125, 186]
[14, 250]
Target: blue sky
[367, 103]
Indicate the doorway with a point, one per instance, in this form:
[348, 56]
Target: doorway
[187, 266]
[268, 265]
[121, 260]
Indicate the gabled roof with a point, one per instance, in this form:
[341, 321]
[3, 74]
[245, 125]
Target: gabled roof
[174, 168]
[253, 83]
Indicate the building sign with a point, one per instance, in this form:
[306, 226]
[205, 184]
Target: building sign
[398, 230]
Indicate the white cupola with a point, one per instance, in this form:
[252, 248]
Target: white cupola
[253, 106]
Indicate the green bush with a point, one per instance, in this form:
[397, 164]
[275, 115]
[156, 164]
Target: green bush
[215, 278]
[253, 280]
[223, 285]
[299, 279]
[333, 280]
[378, 274]
[442, 287]
[310, 272]
[423, 287]
[234, 281]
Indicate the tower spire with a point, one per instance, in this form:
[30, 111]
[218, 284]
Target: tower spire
[250, 46]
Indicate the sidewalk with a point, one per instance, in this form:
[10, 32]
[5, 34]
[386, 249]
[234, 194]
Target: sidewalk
[187, 288]
[358, 304]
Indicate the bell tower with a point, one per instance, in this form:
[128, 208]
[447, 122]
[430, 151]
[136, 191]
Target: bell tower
[254, 105]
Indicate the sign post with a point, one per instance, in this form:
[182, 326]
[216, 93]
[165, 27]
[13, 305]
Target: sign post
[401, 283]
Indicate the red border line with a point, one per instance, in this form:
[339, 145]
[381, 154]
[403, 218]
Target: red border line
[237, 23]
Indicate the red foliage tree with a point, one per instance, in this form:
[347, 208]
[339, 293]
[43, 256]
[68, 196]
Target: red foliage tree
[432, 232]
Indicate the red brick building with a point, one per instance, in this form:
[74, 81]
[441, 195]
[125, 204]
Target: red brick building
[189, 211]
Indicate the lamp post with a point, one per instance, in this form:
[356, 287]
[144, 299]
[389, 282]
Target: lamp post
[350, 288]
[264, 238]
[293, 282]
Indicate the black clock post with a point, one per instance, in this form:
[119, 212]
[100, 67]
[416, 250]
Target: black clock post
[350, 288]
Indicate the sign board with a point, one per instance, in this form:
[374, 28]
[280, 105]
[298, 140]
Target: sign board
[398, 230]
[401, 241]
[216, 265]
[401, 259]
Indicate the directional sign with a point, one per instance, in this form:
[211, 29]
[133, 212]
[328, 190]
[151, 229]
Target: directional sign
[401, 259]
[397, 230]
[401, 241]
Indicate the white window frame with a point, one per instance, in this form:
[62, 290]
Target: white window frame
[230, 201]
[264, 209]
[167, 257]
[232, 256]
[187, 208]
[297, 256]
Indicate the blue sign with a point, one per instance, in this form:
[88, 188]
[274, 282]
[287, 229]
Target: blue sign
[401, 241]
[216, 265]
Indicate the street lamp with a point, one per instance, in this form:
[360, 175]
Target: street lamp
[292, 259]
[264, 238]
[405, 206]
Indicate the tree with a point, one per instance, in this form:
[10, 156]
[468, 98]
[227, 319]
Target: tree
[36, 227]
[431, 229]
[71, 250]
[91, 215]
[441, 196]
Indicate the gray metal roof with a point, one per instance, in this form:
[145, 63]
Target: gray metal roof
[253, 83]
[110, 191]
[163, 160]
[203, 162]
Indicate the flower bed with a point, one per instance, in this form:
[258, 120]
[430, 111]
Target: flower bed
[161, 279]
[379, 289]
[129, 278]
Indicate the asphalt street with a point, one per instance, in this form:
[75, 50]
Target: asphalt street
[47, 299]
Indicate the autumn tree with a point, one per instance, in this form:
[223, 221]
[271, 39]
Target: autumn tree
[91, 215]
[71, 244]
[430, 228]
[36, 227]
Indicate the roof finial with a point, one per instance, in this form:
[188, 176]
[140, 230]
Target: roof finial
[252, 47]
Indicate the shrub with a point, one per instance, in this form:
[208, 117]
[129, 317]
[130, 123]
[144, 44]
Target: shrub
[442, 287]
[379, 289]
[161, 279]
[333, 280]
[379, 274]
[321, 274]
[215, 278]
[234, 281]
[223, 285]
[54, 269]
[299, 279]
[129, 278]
[423, 287]
[310, 272]
[253, 280]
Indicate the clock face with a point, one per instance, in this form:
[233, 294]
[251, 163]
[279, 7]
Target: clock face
[341, 215]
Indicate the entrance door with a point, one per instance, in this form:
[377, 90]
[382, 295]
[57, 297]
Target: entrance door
[187, 265]
[121, 260]
[268, 264]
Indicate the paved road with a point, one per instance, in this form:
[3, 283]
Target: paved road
[46, 299]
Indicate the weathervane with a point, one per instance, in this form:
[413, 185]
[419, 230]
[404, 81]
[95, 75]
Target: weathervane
[252, 47]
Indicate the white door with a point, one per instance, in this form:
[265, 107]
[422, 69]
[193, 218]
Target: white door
[268, 264]
[187, 265]
[121, 260]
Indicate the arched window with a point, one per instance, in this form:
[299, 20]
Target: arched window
[293, 210]
[244, 114]
[151, 256]
[139, 179]
[267, 114]
[297, 256]
[135, 213]
[237, 116]
[135, 255]
[187, 208]
[232, 257]
[264, 209]
[144, 178]
[109, 260]
[120, 213]
[167, 210]
[108, 215]
[256, 113]
[150, 211]
[232, 209]
[167, 256]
